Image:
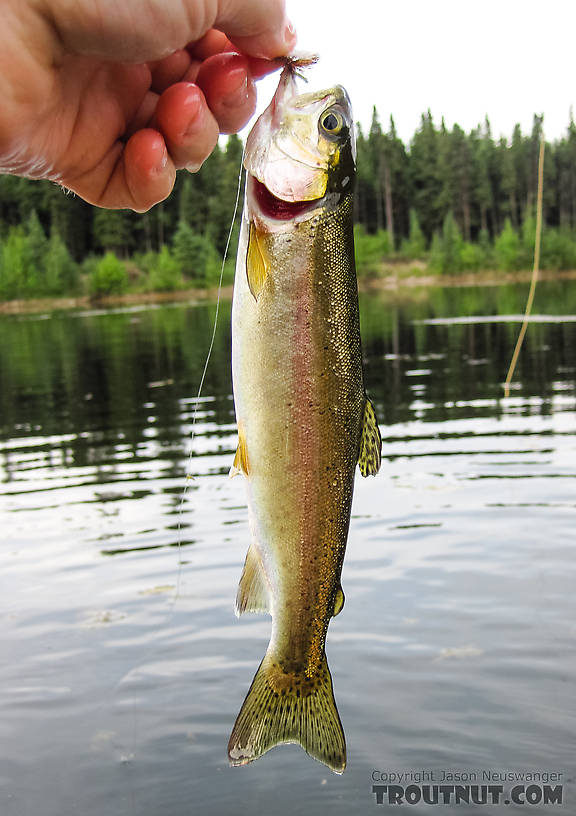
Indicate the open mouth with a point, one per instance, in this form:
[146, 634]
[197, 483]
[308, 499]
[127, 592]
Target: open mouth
[277, 208]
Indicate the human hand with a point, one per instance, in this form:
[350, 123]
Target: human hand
[108, 99]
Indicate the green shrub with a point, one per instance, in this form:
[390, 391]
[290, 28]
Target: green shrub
[446, 250]
[144, 260]
[527, 239]
[414, 246]
[60, 271]
[36, 250]
[32, 265]
[214, 267]
[165, 273]
[229, 271]
[198, 258]
[472, 257]
[13, 265]
[558, 250]
[507, 249]
[230, 261]
[109, 276]
[370, 249]
[487, 248]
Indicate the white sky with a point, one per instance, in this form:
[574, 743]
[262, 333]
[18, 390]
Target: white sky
[462, 59]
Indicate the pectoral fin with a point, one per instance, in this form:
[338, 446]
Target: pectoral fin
[257, 264]
[240, 464]
[252, 593]
[370, 443]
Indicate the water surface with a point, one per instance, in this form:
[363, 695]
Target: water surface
[123, 665]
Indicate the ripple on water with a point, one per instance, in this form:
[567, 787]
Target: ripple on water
[124, 666]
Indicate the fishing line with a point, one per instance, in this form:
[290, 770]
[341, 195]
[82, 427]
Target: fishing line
[535, 270]
[189, 475]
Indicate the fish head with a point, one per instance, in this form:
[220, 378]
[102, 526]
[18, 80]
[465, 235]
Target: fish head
[301, 152]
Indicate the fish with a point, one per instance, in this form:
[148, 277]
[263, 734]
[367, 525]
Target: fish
[304, 419]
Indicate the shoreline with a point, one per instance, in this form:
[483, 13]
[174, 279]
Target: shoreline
[384, 283]
[60, 304]
[393, 282]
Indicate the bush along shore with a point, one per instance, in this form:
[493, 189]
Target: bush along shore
[445, 204]
[34, 266]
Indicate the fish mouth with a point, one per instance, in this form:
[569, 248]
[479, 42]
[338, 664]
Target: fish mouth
[277, 208]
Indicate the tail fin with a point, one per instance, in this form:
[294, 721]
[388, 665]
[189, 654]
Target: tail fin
[287, 707]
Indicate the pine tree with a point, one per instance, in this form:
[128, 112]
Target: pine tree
[376, 159]
[364, 180]
[481, 172]
[445, 256]
[426, 181]
[60, 271]
[507, 248]
[36, 252]
[111, 230]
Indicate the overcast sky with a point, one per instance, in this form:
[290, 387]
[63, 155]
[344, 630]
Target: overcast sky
[505, 58]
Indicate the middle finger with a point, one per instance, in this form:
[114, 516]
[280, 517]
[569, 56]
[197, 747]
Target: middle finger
[228, 86]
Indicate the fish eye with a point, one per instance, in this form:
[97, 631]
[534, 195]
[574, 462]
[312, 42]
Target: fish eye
[332, 122]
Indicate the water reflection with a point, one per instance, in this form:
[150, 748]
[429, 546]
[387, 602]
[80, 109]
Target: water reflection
[96, 386]
[123, 674]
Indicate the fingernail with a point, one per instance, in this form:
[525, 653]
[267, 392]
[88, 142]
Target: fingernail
[194, 111]
[237, 95]
[162, 161]
[290, 35]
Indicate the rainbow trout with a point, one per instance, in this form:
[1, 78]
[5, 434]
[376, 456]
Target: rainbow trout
[304, 420]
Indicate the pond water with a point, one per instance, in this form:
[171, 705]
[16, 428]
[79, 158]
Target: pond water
[123, 666]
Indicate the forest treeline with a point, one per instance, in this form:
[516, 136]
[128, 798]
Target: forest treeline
[451, 200]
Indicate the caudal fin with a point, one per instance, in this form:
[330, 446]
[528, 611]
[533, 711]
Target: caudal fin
[288, 707]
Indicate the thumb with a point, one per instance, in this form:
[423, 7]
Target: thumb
[136, 31]
[259, 28]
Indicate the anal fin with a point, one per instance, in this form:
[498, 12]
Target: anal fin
[370, 453]
[252, 593]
